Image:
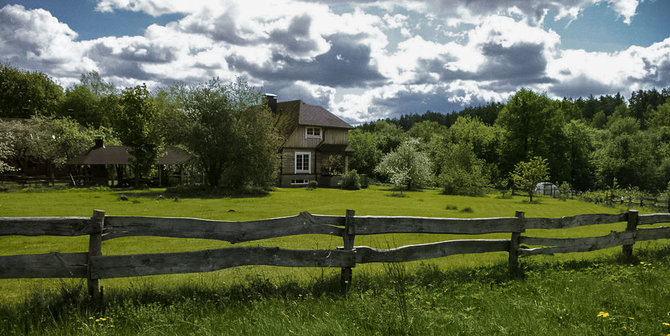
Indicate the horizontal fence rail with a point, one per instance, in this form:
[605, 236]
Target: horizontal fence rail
[93, 265]
[233, 232]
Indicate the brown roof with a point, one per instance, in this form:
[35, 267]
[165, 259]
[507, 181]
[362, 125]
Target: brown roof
[120, 155]
[297, 112]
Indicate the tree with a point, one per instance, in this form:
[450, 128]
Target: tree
[462, 173]
[365, 155]
[532, 126]
[81, 105]
[136, 127]
[527, 174]
[406, 166]
[389, 136]
[627, 154]
[24, 94]
[5, 152]
[426, 130]
[96, 84]
[579, 146]
[232, 134]
[44, 142]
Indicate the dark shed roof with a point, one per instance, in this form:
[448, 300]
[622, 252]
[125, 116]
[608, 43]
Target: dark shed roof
[120, 155]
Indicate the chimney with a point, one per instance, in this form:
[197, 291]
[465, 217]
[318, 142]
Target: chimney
[98, 142]
[272, 101]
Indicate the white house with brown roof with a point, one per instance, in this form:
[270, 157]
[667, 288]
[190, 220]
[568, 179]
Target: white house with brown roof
[314, 140]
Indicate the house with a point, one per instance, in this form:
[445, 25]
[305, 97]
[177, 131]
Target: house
[315, 146]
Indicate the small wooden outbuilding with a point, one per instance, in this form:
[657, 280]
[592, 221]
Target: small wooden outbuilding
[102, 164]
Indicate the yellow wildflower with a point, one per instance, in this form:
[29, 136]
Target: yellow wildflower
[666, 324]
[603, 314]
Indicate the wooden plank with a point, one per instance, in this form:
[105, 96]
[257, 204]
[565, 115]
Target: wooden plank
[654, 218]
[574, 221]
[567, 245]
[119, 266]
[48, 265]
[234, 232]
[45, 226]
[631, 226]
[365, 254]
[513, 260]
[652, 234]
[367, 225]
[94, 250]
[348, 237]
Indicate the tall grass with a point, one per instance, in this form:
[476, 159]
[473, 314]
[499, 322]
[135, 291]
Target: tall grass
[554, 298]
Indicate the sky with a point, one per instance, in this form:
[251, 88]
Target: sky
[362, 60]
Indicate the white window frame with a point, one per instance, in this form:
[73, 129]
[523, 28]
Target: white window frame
[309, 163]
[312, 136]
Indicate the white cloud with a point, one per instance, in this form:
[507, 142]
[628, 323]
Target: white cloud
[36, 40]
[341, 58]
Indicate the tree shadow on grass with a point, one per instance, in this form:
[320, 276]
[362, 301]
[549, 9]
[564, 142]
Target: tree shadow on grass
[195, 192]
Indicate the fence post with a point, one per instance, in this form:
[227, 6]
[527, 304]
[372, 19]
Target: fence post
[348, 237]
[95, 250]
[514, 270]
[631, 226]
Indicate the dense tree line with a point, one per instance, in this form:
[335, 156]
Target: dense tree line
[588, 143]
[226, 127]
[592, 143]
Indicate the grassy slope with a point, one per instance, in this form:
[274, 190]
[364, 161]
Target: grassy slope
[284, 202]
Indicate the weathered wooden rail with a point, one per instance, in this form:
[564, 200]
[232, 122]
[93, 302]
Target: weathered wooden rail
[93, 265]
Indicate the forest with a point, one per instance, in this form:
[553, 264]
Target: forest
[591, 143]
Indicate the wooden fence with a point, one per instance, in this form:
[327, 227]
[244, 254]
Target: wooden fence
[93, 265]
[641, 201]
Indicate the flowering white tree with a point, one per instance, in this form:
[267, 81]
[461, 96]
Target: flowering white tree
[406, 166]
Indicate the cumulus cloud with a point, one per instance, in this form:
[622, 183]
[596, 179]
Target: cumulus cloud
[347, 63]
[362, 60]
[37, 40]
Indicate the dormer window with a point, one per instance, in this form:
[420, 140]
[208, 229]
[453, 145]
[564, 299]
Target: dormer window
[313, 132]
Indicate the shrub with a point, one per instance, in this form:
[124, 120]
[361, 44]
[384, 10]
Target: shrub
[462, 182]
[467, 210]
[351, 180]
[451, 207]
[364, 180]
[564, 191]
[311, 185]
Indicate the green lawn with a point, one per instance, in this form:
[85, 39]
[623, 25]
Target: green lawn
[448, 311]
[282, 202]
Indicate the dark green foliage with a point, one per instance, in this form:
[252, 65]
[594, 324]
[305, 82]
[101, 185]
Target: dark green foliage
[82, 105]
[351, 180]
[24, 94]
[312, 184]
[643, 102]
[232, 134]
[486, 113]
[365, 180]
[462, 173]
[533, 127]
[136, 126]
[365, 154]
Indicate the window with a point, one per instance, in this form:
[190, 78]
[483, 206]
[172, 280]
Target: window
[299, 182]
[313, 132]
[303, 162]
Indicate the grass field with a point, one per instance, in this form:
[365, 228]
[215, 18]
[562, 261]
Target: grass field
[465, 293]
